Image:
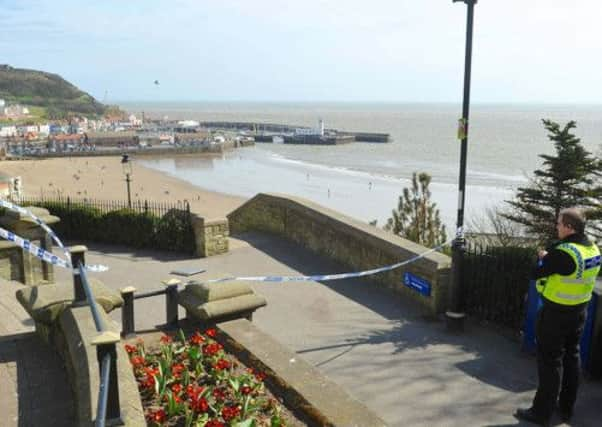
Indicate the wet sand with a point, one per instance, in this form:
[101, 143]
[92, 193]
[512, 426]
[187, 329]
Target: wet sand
[102, 178]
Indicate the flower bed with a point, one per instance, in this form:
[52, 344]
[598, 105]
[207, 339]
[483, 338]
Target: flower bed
[193, 382]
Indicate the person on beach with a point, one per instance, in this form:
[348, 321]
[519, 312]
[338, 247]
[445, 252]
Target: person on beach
[566, 275]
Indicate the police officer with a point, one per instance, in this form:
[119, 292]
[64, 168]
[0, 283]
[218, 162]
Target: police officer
[566, 276]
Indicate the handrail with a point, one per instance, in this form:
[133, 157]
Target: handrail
[105, 353]
[103, 391]
[100, 326]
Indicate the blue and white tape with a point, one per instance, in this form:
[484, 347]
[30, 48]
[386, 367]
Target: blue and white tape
[36, 250]
[11, 206]
[326, 277]
[33, 249]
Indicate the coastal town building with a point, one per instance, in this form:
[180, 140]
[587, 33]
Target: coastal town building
[319, 131]
[8, 131]
[10, 186]
[15, 111]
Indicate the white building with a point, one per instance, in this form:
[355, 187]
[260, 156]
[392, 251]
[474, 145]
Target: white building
[8, 131]
[311, 131]
[188, 123]
[134, 120]
[16, 111]
[44, 130]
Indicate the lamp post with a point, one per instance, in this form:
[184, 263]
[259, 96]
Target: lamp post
[126, 164]
[455, 314]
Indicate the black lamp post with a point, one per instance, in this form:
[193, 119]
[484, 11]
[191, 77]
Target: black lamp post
[126, 164]
[455, 314]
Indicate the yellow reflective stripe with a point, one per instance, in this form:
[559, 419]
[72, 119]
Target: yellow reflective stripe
[573, 297]
[588, 281]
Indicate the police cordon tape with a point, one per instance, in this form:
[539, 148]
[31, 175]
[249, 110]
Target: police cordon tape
[36, 250]
[55, 260]
[327, 277]
[11, 206]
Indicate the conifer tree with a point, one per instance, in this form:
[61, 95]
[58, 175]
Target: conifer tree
[568, 178]
[417, 217]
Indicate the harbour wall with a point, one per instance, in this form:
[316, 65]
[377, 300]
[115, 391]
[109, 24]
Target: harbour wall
[274, 128]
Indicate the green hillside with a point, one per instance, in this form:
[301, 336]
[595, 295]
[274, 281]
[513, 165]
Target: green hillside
[57, 96]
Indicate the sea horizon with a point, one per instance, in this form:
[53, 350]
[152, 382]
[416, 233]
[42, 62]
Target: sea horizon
[365, 179]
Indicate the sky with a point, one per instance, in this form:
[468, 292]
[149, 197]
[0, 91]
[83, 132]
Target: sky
[535, 51]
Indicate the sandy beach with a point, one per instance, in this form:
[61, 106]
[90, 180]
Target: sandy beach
[102, 178]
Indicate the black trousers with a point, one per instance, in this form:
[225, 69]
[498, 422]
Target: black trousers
[558, 332]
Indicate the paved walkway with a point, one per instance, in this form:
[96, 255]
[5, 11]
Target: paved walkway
[406, 368]
[34, 387]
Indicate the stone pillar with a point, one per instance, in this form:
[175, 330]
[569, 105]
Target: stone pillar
[31, 271]
[211, 236]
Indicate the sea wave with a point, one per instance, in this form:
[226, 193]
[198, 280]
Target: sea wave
[476, 177]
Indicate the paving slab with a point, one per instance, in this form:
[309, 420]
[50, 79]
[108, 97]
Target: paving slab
[382, 350]
[35, 390]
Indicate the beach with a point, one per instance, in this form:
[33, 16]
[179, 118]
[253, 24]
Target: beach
[102, 178]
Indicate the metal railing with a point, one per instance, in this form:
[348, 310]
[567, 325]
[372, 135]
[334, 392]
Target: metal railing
[108, 409]
[495, 283]
[129, 295]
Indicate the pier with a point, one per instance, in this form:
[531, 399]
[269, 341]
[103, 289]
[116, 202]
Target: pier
[265, 131]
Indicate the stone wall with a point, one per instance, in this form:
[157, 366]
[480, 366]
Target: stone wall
[152, 151]
[21, 266]
[11, 261]
[211, 236]
[72, 337]
[18, 264]
[358, 245]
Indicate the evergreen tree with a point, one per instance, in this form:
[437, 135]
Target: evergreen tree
[568, 178]
[417, 217]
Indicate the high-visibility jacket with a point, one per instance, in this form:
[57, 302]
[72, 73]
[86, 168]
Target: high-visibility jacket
[577, 287]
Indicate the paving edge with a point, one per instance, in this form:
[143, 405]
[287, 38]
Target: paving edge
[312, 397]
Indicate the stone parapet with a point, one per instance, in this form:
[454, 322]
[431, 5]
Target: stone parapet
[358, 245]
[72, 336]
[25, 267]
[11, 262]
[211, 236]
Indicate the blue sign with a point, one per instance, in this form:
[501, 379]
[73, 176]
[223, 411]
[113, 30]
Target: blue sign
[420, 285]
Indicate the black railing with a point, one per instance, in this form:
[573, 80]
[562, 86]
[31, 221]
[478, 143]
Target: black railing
[151, 225]
[496, 281]
[108, 408]
[158, 209]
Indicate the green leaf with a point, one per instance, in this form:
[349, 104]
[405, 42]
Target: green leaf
[189, 418]
[250, 422]
[202, 420]
[234, 383]
[182, 336]
[185, 378]
[275, 421]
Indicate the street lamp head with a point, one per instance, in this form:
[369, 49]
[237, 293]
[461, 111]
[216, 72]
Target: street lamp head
[465, 1]
[126, 164]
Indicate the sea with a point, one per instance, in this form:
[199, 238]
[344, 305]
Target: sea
[365, 180]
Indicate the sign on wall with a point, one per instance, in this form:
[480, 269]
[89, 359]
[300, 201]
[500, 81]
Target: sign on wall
[417, 283]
